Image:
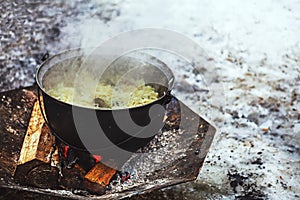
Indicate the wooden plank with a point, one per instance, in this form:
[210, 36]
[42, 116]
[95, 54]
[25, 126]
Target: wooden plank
[38, 142]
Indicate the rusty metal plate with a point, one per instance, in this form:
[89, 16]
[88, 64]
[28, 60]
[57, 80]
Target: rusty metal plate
[174, 156]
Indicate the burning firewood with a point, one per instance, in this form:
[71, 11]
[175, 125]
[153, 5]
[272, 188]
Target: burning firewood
[98, 178]
[72, 178]
[37, 154]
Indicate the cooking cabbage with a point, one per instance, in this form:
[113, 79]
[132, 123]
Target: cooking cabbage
[131, 94]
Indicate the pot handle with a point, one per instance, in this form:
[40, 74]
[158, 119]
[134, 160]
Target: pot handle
[168, 97]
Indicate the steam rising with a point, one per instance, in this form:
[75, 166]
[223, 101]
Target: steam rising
[89, 27]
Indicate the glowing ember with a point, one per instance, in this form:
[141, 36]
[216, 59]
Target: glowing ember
[97, 158]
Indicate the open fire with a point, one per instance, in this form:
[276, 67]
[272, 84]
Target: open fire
[40, 146]
[49, 167]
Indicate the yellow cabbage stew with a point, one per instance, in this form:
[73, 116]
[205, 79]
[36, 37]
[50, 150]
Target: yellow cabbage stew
[108, 96]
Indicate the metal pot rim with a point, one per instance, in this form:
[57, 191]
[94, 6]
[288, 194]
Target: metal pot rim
[167, 94]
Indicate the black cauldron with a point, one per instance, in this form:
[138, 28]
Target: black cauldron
[99, 126]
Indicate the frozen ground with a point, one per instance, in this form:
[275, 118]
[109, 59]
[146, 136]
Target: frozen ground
[255, 48]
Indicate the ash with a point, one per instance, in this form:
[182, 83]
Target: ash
[161, 151]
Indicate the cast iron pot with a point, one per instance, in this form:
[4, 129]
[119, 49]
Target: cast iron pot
[69, 127]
